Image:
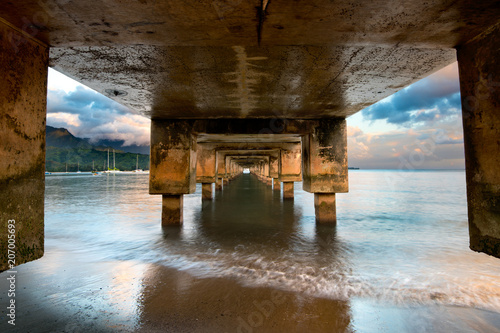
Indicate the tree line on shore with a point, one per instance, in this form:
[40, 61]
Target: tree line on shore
[82, 159]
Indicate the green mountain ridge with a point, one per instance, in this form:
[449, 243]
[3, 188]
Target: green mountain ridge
[65, 152]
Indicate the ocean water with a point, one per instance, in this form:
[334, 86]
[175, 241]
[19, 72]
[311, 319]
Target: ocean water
[401, 242]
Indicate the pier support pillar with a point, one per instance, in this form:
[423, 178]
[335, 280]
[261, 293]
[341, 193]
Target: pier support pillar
[287, 190]
[206, 191]
[480, 92]
[277, 184]
[324, 207]
[173, 165]
[23, 100]
[218, 184]
[324, 165]
[290, 167]
[206, 164]
[171, 210]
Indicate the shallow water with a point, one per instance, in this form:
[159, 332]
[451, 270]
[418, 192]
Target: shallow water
[401, 243]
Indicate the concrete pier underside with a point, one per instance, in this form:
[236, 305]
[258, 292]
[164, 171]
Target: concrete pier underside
[270, 83]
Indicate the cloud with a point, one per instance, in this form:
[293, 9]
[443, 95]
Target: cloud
[426, 102]
[407, 149]
[88, 114]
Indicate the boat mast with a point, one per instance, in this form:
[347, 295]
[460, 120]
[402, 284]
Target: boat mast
[108, 159]
[114, 160]
[137, 164]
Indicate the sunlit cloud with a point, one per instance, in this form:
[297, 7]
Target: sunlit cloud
[62, 119]
[406, 149]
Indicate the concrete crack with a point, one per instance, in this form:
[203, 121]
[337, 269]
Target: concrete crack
[261, 17]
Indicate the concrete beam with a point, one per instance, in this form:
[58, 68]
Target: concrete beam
[480, 92]
[324, 153]
[23, 100]
[222, 161]
[272, 157]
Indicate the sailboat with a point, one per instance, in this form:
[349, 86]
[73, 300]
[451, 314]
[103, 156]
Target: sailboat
[114, 170]
[108, 170]
[137, 165]
[78, 168]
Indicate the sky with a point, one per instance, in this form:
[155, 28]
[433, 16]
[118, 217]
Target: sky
[419, 127]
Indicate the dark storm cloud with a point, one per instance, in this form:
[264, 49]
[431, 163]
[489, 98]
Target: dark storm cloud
[425, 101]
[83, 101]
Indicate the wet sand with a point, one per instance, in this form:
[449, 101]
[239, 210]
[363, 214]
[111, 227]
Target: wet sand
[175, 301]
[128, 297]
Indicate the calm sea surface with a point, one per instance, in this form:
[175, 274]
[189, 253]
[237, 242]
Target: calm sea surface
[401, 242]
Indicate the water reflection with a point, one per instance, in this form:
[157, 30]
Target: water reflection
[174, 300]
[109, 266]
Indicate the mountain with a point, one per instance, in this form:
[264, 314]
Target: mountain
[62, 138]
[119, 144]
[65, 152]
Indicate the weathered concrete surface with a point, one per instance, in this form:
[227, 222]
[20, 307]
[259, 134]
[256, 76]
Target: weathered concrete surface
[317, 59]
[171, 210]
[248, 150]
[270, 158]
[206, 164]
[324, 156]
[435, 23]
[288, 189]
[325, 208]
[23, 98]
[173, 157]
[218, 183]
[239, 81]
[257, 152]
[206, 191]
[276, 184]
[291, 164]
[480, 89]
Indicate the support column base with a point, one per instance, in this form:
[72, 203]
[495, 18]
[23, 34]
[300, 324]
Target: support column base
[276, 184]
[288, 190]
[325, 208]
[485, 244]
[206, 191]
[171, 210]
